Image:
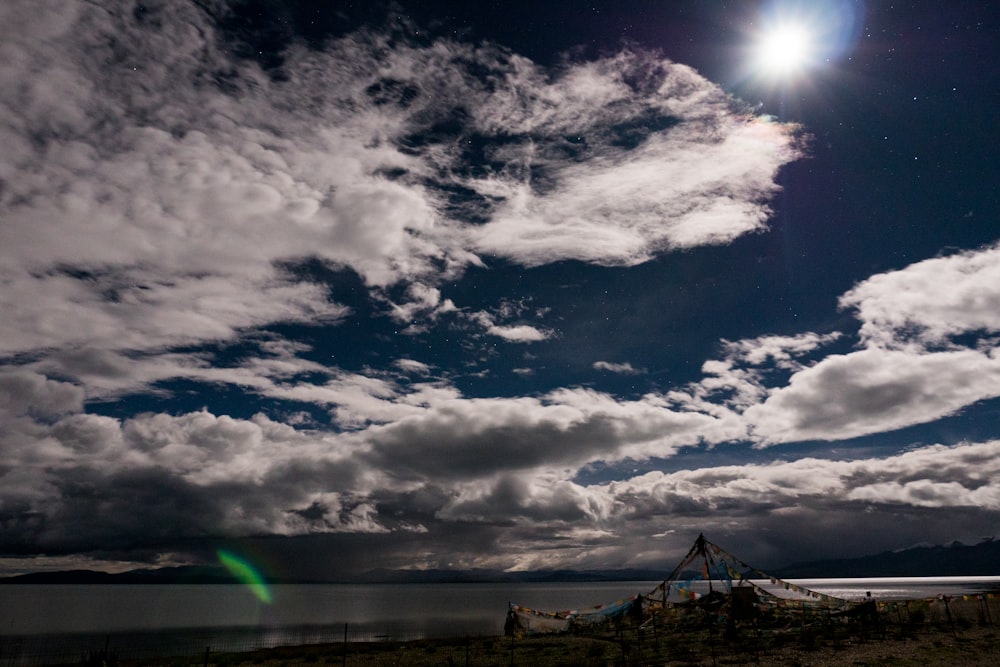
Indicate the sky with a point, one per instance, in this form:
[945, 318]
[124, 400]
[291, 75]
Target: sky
[338, 286]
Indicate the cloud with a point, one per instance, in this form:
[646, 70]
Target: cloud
[600, 186]
[930, 350]
[258, 476]
[623, 369]
[930, 302]
[150, 202]
[412, 366]
[928, 340]
[780, 350]
[541, 500]
[950, 476]
[423, 304]
[515, 333]
[502, 468]
[874, 390]
[740, 379]
[25, 393]
[160, 194]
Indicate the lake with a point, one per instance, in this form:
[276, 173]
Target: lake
[189, 618]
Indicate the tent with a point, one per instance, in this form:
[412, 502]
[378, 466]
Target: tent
[708, 577]
[708, 569]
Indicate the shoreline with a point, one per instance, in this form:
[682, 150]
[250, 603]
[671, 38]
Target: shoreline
[956, 631]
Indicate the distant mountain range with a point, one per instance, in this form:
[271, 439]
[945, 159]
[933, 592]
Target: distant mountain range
[219, 575]
[956, 559]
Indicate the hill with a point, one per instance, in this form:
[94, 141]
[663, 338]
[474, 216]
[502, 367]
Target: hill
[955, 559]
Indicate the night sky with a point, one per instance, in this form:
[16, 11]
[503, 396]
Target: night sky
[521, 285]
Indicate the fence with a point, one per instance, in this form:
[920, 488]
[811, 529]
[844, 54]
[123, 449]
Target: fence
[693, 640]
[182, 646]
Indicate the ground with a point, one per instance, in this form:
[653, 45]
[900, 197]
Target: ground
[919, 634]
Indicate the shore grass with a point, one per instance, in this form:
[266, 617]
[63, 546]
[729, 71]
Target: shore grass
[965, 633]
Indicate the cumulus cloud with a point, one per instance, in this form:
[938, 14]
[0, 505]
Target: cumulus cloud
[927, 349]
[930, 302]
[933, 476]
[25, 393]
[568, 428]
[258, 476]
[928, 333]
[874, 390]
[447, 462]
[780, 350]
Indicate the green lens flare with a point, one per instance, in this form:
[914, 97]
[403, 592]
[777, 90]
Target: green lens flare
[246, 574]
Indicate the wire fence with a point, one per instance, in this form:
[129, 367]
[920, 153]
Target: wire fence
[696, 638]
[187, 645]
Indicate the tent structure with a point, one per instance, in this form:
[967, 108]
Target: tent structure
[708, 577]
[718, 571]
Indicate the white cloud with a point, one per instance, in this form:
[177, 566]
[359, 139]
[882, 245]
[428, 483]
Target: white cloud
[690, 186]
[146, 207]
[439, 459]
[567, 428]
[932, 476]
[515, 333]
[930, 301]
[26, 393]
[623, 369]
[412, 366]
[781, 350]
[424, 302]
[543, 500]
[913, 369]
[872, 391]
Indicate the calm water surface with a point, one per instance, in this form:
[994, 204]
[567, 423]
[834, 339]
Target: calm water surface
[424, 609]
[41, 625]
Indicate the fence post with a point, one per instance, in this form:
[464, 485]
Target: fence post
[207, 649]
[947, 611]
[621, 639]
[345, 645]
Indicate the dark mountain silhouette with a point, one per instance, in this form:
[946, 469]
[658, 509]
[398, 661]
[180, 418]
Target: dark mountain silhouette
[189, 574]
[956, 559]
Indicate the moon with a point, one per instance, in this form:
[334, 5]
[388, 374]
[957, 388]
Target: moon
[784, 50]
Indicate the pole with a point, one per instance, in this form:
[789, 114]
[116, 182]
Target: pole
[951, 622]
[711, 639]
[345, 645]
[621, 638]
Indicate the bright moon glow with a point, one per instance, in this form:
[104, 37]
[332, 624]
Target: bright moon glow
[784, 49]
[246, 574]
